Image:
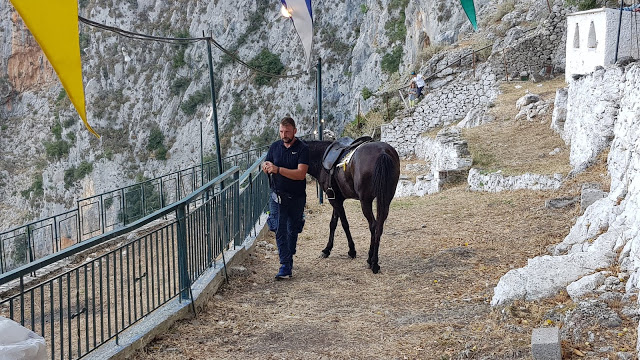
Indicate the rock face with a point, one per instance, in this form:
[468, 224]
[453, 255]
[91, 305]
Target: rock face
[136, 87]
[455, 89]
[608, 232]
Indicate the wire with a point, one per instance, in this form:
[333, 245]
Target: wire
[175, 40]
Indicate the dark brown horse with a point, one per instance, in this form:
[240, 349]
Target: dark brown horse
[371, 173]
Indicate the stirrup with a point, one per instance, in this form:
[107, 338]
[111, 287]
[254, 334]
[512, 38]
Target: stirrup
[331, 195]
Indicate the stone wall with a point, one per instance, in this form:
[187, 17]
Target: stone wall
[592, 107]
[608, 233]
[448, 105]
[532, 51]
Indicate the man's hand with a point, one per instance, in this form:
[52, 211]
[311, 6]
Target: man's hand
[269, 168]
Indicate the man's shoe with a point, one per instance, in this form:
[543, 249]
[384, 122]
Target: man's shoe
[284, 273]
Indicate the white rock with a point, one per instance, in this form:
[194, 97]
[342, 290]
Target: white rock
[586, 285]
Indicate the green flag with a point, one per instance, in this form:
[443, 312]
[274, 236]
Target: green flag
[470, 10]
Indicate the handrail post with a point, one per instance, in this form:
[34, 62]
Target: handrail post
[182, 252]
[236, 208]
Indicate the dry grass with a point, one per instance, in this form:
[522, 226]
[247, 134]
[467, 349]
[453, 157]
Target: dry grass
[517, 147]
[441, 256]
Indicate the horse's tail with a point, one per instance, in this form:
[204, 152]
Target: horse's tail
[384, 183]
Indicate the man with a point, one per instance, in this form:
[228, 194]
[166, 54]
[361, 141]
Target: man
[419, 80]
[287, 162]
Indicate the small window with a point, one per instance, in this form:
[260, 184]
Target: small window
[576, 37]
[592, 42]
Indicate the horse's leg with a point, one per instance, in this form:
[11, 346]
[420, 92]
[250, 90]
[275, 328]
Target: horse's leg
[383, 212]
[332, 231]
[367, 210]
[339, 206]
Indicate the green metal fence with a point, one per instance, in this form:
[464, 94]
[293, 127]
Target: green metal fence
[110, 210]
[78, 310]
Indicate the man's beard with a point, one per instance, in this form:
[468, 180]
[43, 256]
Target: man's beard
[287, 140]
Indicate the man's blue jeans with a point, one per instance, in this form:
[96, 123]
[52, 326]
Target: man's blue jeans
[290, 222]
[274, 207]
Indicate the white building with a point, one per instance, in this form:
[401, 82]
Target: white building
[592, 37]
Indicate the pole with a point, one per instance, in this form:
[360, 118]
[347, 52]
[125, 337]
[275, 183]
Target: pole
[213, 107]
[319, 100]
[319, 88]
[201, 158]
[619, 26]
[549, 5]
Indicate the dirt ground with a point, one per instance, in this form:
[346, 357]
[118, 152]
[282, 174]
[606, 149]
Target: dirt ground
[441, 256]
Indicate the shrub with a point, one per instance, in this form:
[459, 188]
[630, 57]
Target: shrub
[84, 42]
[57, 130]
[266, 137]
[178, 58]
[179, 85]
[36, 187]
[190, 106]
[391, 61]
[57, 149]
[268, 62]
[74, 174]
[156, 144]
[366, 93]
[363, 8]
[395, 29]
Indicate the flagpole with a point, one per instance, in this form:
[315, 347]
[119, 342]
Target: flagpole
[320, 120]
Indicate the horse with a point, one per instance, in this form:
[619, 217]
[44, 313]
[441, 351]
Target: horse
[371, 173]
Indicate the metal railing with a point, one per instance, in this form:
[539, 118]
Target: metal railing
[110, 210]
[80, 309]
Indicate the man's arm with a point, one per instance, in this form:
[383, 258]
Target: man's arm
[294, 174]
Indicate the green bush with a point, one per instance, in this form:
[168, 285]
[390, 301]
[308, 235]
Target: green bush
[178, 60]
[73, 174]
[391, 61]
[84, 42]
[36, 187]
[179, 85]
[57, 130]
[266, 137]
[57, 149]
[69, 122]
[190, 106]
[363, 8]
[366, 93]
[268, 62]
[140, 200]
[395, 29]
[156, 144]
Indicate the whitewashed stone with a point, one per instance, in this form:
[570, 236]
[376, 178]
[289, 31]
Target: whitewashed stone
[545, 275]
[559, 111]
[496, 182]
[586, 285]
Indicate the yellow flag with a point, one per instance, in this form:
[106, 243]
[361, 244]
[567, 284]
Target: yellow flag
[54, 24]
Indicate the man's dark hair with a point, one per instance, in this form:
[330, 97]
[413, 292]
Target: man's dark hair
[288, 121]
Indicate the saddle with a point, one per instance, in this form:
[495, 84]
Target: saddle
[336, 152]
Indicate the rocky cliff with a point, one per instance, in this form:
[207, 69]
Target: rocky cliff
[147, 99]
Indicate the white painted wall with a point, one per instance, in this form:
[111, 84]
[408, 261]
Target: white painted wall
[583, 59]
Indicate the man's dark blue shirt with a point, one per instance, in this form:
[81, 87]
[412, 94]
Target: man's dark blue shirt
[288, 158]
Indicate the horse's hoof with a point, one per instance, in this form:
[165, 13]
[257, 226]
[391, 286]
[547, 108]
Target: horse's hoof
[324, 255]
[352, 254]
[375, 268]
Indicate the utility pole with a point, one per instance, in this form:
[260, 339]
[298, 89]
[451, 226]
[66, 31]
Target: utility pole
[213, 108]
